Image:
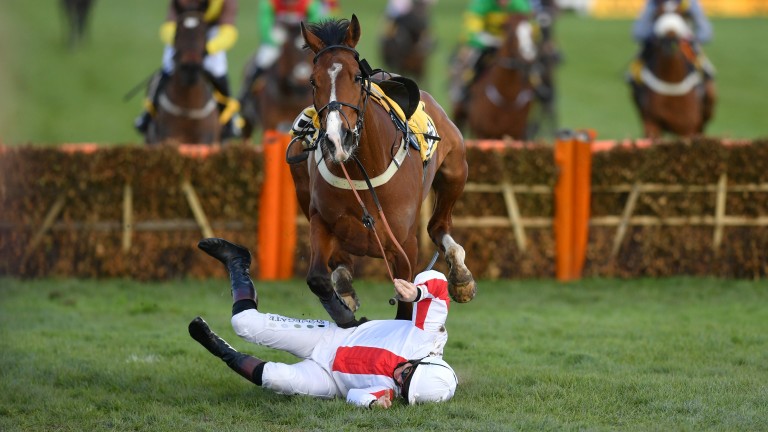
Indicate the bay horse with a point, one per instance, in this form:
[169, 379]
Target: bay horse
[271, 103]
[672, 94]
[499, 99]
[76, 14]
[358, 140]
[187, 111]
[407, 42]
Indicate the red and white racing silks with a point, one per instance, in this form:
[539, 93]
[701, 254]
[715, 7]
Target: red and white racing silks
[362, 366]
[356, 362]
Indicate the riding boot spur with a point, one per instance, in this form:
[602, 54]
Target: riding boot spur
[248, 367]
[237, 260]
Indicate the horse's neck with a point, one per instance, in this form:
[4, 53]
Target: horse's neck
[379, 139]
[181, 92]
[509, 81]
[671, 67]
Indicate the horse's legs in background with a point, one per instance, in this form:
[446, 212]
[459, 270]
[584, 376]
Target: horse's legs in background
[710, 96]
[651, 128]
[448, 186]
[318, 277]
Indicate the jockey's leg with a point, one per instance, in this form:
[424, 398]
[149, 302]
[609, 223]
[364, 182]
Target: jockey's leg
[462, 75]
[156, 86]
[249, 367]
[237, 260]
[264, 59]
[231, 127]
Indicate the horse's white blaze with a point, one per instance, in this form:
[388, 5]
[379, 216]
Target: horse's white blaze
[671, 22]
[191, 22]
[333, 124]
[450, 245]
[524, 34]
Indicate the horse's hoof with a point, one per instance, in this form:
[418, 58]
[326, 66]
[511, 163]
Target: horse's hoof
[341, 280]
[461, 284]
[463, 293]
[351, 302]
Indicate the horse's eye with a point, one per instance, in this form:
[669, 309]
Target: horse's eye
[312, 82]
[358, 78]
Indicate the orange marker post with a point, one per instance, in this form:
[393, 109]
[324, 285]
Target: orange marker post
[564, 156]
[573, 156]
[277, 219]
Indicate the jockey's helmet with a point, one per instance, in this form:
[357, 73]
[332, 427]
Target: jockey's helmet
[432, 380]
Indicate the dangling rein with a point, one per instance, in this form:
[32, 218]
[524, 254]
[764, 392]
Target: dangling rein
[368, 219]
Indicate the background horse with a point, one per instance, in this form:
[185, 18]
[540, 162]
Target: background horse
[671, 95]
[186, 109]
[273, 100]
[76, 13]
[359, 137]
[500, 98]
[407, 42]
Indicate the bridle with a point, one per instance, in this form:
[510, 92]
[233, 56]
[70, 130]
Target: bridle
[365, 91]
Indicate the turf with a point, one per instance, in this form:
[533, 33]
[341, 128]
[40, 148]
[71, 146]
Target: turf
[653, 354]
[51, 95]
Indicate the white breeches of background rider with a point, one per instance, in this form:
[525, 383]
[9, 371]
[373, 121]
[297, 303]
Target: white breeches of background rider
[215, 64]
[299, 337]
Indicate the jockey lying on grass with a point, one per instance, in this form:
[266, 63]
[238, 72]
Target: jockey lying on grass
[369, 365]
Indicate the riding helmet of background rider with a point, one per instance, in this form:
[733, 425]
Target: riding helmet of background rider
[222, 34]
[483, 27]
[272, 36]
[643, 28]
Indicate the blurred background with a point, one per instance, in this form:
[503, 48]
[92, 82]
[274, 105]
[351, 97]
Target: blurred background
[52, 94]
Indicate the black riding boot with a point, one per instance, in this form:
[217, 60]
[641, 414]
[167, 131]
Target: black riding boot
[154, 90]
[237, 260]
[246, 366]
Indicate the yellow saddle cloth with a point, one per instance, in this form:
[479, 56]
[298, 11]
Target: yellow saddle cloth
[420, 124]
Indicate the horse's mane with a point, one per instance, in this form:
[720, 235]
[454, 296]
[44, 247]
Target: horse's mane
[330, 31]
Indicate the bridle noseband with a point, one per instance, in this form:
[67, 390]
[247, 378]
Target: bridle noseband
[365, 91]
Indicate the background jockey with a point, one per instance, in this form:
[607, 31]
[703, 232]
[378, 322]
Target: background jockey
[642, 30]
[222, 35]
[483, 27]
[369, 365]
[270, 11]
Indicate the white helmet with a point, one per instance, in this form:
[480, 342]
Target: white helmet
[432, 380]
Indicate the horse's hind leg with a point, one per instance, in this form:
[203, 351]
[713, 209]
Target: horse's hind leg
[448, 186]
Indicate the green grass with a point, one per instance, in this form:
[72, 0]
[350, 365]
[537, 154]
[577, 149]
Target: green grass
[652, 354]
[51, 95]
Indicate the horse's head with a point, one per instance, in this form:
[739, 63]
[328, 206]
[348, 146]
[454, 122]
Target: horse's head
[190, 45]
[518, 40]
[337, 83]
[182, 6]
[293, 67]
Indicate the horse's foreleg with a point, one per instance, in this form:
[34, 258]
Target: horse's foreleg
[318, 277]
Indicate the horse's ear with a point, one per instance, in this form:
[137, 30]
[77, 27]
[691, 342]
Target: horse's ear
[353, 32]
[313, 42]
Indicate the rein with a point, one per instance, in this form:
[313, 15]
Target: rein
[368, 221]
